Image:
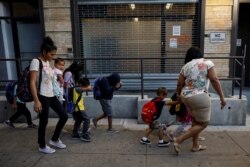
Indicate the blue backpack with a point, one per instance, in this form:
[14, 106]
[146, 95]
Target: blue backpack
[96, 89]
[70, 105]
[9, 91]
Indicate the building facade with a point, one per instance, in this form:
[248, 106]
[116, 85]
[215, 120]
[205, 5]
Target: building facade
[123, 31]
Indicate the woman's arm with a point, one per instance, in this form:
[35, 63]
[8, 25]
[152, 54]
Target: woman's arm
[33, 88]
[180, 84]
[216, 85]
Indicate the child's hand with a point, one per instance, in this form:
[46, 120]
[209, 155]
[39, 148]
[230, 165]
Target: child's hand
[87, 88]
[118, 85]
[14, 106]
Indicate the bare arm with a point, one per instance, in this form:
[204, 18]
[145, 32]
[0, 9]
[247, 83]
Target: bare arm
[33, 88]
[216, 85]
[180, 84]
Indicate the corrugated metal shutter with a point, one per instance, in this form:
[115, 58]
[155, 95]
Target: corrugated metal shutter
[135, 31]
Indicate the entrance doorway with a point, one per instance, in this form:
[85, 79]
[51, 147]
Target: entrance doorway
[244, 37]
[21, 34]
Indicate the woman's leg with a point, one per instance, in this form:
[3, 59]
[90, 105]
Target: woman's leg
[43, 120]
[196, 136]
[63, 117]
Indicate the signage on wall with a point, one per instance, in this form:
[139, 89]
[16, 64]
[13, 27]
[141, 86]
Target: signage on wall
[176, 30]
[173, 42]
[217, 37]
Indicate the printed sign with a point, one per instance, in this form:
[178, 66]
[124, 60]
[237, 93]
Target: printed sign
[173, 42]
[176, 30]
[217, 37]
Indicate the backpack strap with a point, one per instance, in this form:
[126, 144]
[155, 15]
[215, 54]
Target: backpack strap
[40, 72]
[77, 101]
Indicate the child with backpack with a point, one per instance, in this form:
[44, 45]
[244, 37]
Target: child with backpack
[79, 113]
[183, 117]
[103, 90]
[18, 105]
[58, 81]
[150, 113]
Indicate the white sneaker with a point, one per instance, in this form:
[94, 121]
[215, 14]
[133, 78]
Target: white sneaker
[57, 144]
[47, 150]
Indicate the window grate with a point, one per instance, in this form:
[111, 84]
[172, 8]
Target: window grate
[136, 31]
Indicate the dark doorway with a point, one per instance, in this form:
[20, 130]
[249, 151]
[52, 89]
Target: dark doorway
[244, 38]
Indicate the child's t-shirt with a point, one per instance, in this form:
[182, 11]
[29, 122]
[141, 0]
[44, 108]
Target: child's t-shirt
[159, 106]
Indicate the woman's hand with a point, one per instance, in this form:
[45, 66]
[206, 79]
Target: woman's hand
[223, 103]
[37, 106]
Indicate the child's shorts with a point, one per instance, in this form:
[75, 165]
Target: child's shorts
[106, 107]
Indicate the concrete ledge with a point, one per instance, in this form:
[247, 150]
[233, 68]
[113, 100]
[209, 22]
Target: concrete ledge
[129, 106]
[233, 114]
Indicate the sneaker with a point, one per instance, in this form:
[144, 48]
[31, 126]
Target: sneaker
[164, 144]
[75, 136]
[9, 124]
[112, 130]
[47, 150]
[201, 138]
[86, 138]
[57, 144]
[32, 126]
[145, 141]
[94, 123]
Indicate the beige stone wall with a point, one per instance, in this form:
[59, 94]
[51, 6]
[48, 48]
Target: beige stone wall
[218, 18]
[57, 19]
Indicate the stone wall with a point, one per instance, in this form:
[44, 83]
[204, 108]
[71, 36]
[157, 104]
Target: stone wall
[218, 18]
[57, 20]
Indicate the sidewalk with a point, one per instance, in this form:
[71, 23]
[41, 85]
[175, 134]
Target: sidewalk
[227, 147]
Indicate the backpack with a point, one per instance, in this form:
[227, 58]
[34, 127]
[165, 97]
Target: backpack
[70, 105]
[149, 111]
[9, 91]
[178, 109]
[96, 89]
[23, 86]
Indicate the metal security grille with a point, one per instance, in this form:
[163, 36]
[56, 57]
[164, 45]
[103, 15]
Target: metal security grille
[149, 30]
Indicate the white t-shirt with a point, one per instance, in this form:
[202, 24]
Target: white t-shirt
[47, 77]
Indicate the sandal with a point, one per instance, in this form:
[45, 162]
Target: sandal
[200, 148]
[177, 147]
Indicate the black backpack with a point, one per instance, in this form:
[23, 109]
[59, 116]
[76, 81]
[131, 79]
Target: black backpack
[178, 109]
[23, 86]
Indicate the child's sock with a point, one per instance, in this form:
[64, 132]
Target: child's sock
[161, 141]
[144, 138]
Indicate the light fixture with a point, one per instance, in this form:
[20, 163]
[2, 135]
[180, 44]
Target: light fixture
[136, 19]
[132, 6]
[169, 6]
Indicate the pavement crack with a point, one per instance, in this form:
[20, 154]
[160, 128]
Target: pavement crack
[235, 142]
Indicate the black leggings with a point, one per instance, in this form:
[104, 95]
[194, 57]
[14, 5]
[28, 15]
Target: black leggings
[21, 109]
[55, 104]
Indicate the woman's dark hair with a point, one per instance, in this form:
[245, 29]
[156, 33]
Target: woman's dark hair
[75, 69]
[162, 91]
[47, 45]
[193, 53]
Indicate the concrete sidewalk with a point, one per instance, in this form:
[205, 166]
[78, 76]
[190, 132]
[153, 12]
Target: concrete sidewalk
[227, 147]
